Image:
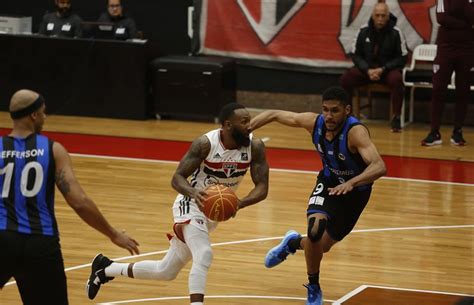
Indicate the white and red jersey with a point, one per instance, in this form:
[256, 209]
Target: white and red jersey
[222, 166]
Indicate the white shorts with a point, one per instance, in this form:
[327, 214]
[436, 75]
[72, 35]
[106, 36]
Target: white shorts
[185, 210]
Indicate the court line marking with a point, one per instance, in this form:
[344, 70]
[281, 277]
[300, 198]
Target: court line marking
[244, 241]
[296, 171]
[268, 297]
[363, 287]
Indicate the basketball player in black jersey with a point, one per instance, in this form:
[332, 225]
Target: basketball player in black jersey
[30, 166]
[351, 164]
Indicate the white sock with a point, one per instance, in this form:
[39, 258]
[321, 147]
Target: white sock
[116, 269]
[197, 303]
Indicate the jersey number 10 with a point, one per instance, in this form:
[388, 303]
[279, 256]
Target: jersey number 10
[8, 172]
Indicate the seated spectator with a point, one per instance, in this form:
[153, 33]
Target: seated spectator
[123, 27]
[379, 53]
[62, 22]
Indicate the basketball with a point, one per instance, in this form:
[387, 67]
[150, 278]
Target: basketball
[221, 203]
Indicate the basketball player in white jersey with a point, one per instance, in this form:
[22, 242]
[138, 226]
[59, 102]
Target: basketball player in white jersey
[220, 156]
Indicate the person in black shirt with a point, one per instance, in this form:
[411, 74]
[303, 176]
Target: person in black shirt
[62, 22]
[379, 54]
[123, 27]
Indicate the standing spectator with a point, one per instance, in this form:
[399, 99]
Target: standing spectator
[455, 52]
[379, 53]
[124, 27]
[62, 22]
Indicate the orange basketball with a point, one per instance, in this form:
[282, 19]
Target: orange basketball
[221, 203]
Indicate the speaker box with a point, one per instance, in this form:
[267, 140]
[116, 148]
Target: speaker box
[194, 88]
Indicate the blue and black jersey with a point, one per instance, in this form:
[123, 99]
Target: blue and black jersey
[339, 163]
[27, 174]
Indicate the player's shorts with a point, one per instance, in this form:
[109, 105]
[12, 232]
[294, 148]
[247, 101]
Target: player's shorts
[342, 211]
[185, 210]
[36, 263]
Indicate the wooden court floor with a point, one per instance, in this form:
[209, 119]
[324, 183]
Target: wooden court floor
[414, 240]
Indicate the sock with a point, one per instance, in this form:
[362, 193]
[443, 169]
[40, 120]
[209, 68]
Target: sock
[197, 303]
[295, 244]
[116, 269]
[314, 279]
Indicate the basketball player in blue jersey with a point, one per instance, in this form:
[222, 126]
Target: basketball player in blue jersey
[221, 156]
[351, 164]
[30, 166]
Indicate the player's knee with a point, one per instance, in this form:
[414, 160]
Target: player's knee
[204, 257]
[316, 228]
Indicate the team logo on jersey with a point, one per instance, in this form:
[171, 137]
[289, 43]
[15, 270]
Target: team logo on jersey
[244, 157]
[229, 168]
[217, 156]
[341, 156]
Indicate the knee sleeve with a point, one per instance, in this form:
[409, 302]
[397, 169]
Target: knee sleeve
[315, 232]
[200, 247]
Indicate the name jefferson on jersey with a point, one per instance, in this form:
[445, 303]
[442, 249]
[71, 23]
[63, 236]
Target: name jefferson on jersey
[21, 154]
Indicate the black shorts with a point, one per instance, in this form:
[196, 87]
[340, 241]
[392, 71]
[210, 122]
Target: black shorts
[342, 211]
[36, 263]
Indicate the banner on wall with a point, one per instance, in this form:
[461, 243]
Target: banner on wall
[315, 33]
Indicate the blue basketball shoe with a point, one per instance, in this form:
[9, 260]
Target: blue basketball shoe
[315, 295]
[279, 253]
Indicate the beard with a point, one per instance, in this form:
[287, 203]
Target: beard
[240, 138]
[64, 11]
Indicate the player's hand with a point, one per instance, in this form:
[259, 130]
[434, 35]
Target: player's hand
[236, 210]
[199, 196]
[124, 241]
[341, 189]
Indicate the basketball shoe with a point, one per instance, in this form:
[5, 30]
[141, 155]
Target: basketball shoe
[433, 138]
[97, 276]
[457, 138]
[280, 252]
[315, 295]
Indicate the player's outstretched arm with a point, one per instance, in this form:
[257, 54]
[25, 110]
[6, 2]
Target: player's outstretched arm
[305, 119]
[360, 142]
[189, 163]
[84, 206]
[259, 172]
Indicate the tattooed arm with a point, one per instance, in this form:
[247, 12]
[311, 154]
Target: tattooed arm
[79, 201]
[259, 172]
[189, 163]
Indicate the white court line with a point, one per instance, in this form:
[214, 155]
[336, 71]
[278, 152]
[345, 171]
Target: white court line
[350, 295]
[273, 169]
[245, 241]
[363, 287]
[267, 297]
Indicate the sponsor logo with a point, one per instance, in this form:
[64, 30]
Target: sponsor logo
[210, 180]
[319, 200]
[217, 156]
[330, 152]
[338, 172]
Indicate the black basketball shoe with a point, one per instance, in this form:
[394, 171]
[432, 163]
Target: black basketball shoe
[97, 276]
